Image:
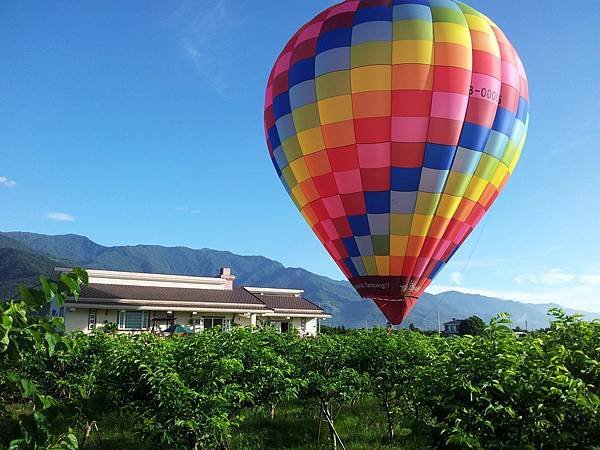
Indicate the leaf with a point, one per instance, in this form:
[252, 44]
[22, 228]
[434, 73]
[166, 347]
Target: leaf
[52, 339]
[28, 387]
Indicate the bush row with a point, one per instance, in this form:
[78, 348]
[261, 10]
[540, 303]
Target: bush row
[494, 390]
[490, 391]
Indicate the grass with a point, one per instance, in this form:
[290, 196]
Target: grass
[116, 431]
[295, 427]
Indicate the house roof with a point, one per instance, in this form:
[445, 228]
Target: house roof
[453, 322]
[162, 293]
[284, 303]
[113, 295]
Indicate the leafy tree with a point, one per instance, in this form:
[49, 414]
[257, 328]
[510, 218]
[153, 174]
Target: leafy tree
[498, 385]
[193, 390]
[323, 365]
[25, 331]
[110, 328]
[472, 326]
[398, 367]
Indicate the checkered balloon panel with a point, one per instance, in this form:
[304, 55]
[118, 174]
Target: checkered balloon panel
[394, 125]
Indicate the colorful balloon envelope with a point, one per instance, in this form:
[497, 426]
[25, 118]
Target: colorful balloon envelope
[394, 125]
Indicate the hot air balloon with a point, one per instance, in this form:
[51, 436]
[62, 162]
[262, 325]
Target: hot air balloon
[394, 125]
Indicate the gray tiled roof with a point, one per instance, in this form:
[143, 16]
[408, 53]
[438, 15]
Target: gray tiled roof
[287, 303]
[453, 322]
[113, 294]
[116, 292]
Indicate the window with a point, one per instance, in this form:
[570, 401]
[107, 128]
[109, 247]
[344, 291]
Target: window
[197, 323]
[212, 322]
[282, 327]
[303, 324]
[92, 319]
[133, 320]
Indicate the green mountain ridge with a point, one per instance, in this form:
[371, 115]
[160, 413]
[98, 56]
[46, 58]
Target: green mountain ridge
[20, 266]
[23, 256]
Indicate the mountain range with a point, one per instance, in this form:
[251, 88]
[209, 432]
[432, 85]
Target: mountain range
[24, 256]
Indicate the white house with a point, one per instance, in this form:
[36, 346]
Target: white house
[143, 302]
[452, 326]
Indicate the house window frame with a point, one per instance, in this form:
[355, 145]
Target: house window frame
[303, 324]
[92, 318]
[197, 323]
[277, 324]
[225, 322]
[122, 319]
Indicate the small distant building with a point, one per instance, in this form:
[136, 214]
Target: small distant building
[144, 302]
[452, 327]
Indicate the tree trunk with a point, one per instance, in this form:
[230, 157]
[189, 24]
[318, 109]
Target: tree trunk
[389, 419]
[192, 443]
[272, 413]
[86, 433]
[319, 431]
[335, 437]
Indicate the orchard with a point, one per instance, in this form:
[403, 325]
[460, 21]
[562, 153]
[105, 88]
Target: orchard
[493, 390]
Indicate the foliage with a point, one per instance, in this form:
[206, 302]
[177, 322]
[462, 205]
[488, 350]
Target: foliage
[472, 326]
[324, 364]
[492, 390]
[521, 389]
[25, 331]
[392, 363]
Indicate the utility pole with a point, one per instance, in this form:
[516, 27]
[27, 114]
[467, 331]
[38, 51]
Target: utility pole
[438, 321]
[525, 325]
[366, 324]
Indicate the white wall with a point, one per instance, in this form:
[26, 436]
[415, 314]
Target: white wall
[296, 323]
[311, 327]
[78, 319]
[105, 316]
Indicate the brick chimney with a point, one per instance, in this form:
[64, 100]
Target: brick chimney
[227, 275]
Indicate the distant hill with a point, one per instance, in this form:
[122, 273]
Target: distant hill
[20, 266]
[36, 253]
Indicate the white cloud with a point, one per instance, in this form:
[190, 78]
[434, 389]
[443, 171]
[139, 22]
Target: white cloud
[457, 277]
[592, 279]
[7, 183]
[188, 209]
[60, 217]
[526, 278]
[203, 30]
[555, 277]
[579, 134]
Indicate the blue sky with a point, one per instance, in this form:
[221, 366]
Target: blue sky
[141, 122]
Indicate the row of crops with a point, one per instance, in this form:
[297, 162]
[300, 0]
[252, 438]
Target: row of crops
[494, 390]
